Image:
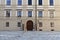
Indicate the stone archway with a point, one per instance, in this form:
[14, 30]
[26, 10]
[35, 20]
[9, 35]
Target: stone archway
[29, 25]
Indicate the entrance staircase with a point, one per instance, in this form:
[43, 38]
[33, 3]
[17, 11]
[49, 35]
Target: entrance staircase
[29, 35]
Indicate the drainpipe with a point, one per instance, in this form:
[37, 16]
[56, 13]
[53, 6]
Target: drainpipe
[21, 24]
[36, 15]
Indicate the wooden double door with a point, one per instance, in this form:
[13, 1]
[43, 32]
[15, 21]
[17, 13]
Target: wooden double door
[29, 25]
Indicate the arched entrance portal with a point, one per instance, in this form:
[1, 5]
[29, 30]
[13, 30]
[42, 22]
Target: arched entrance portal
[29, 25]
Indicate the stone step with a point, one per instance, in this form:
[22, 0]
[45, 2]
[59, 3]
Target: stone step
[29, 35]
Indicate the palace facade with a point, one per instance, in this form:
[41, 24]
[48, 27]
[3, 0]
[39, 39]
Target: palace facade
[30, 15]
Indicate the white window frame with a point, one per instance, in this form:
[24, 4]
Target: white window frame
[21, 13]
[32, 2]
[32, 12]
[5, 13]
[42, 3]
[17, 2]
[49, 14]
[6, 3]
[42, 13]
[49, 3]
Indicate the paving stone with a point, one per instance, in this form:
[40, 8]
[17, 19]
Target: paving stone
[29, 35]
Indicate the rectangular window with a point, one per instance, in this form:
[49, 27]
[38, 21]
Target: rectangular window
[40, 14]
[0, 2]
[40, 24]
[40, 2]
[52, 29]
[51, 2]
[51, 14]
[19, 13]
[40, 29]
[8, 2]
[29, 2]
[52, 24]
[7, 24]
[19, 24]
[8, 13]
[19, 2]
[29, 13]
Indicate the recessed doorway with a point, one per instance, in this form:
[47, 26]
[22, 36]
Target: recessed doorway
[29, 25]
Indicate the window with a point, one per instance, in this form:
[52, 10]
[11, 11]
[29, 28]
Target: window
[19, 2]
[0, 2]
[40, 2]
[51, 2]
[29, 13]
[19, 24]
[51, 14]
[8, 2]
[8, 13]
[40, 24]
[40, 29]
[29, 2]
[40, 14]
[7, 24]
[19, 13]
[52, 24]
[52, 29]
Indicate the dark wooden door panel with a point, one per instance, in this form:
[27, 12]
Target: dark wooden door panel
[29, 25]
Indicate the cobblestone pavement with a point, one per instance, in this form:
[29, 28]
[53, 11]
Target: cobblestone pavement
[29, 35]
